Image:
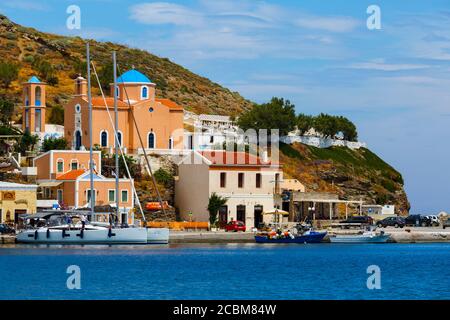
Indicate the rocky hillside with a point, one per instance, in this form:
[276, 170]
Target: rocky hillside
[353, 174]
[26, 47]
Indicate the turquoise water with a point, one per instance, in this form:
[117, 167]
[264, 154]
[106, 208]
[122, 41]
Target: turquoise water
[237, 271]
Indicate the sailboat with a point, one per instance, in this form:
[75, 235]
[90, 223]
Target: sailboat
[85, 232]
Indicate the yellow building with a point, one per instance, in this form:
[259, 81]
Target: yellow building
[15, 199]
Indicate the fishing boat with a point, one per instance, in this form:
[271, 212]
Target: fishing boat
[366, 237]
[56, 230]
[307, 237]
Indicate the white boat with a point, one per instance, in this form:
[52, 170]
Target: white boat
[65, 234]
[366, 237]
[158, 235]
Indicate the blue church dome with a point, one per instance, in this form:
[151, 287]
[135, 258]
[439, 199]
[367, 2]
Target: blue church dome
[133, 76]
[34, 79]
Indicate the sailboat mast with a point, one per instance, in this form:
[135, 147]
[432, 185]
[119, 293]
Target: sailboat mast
[116, 135]
[91, 162]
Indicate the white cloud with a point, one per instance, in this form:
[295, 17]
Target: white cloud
[331, 24]
[380, 65]
[164, 13]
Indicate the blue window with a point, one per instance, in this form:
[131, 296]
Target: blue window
[104, 139]
[144, 93]
[150, 109]
[38, 96]
[117, 92]
[151, 140]
[119, 137]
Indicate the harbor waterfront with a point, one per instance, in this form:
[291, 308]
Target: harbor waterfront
[226, 271]
[409, 235]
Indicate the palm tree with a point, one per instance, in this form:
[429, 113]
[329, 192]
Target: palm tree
[214, 204]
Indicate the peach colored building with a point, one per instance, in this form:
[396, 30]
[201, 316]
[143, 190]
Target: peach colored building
[64, 175]
[160, 121]
[33, 112]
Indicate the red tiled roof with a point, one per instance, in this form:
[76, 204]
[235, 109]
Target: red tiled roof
[227, 158]
[169, 103]
[71, 175]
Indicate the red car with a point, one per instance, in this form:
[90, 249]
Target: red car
[235, 226]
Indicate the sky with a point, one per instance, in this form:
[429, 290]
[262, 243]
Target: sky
[393, 82]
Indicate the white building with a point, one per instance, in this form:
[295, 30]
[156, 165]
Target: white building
[245, 180]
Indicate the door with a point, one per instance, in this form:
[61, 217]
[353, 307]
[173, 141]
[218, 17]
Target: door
[258, 216]
[223, 216]
[240, 213]
[17, 212]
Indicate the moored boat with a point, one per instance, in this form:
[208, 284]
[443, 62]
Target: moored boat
[366, 237]
[65, 234]
[158, 235]
[307, 237]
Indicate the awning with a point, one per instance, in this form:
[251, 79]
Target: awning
[49, 184]
[277, 211]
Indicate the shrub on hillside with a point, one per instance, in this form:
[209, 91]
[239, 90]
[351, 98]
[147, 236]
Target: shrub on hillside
[8, 73]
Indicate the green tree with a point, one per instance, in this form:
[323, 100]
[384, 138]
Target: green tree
[214, 204]
[8, 73]
[276, 114]
[347, 128]
[27, 142]
[304, 123]
[325, 125]
[54, 144]
[6, 111]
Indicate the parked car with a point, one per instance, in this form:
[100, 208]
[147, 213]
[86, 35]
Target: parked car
[235, 226]
[358, 220]
[397, 222]
[417, 220]
[5, 229]
[434, 220]
[446, 223]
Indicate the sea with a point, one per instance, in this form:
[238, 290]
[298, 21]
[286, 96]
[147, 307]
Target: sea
[226, 271]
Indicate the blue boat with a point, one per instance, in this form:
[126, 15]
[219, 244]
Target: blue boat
[307, 237]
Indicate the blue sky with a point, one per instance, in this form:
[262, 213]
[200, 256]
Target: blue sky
[394, 83]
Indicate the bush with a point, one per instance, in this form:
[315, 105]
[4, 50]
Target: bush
[163, 177]
[54, 144]
[8, 73]
[28, 59]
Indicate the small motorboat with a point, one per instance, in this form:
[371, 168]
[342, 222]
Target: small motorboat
[366, 237]
[307, 237]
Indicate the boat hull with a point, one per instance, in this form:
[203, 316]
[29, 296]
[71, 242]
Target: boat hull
[360, 239]
[315, 237]
[99, 236]
[158, 235]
